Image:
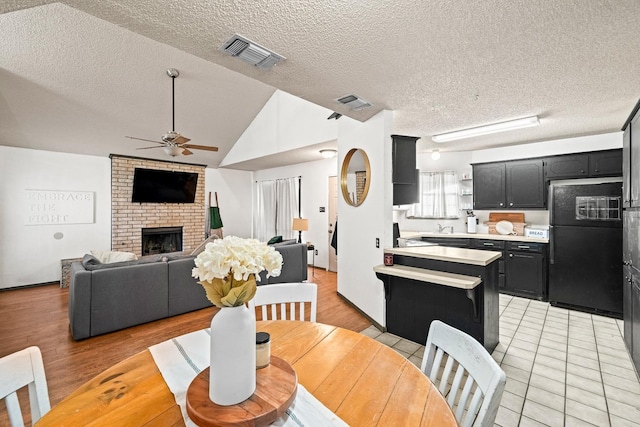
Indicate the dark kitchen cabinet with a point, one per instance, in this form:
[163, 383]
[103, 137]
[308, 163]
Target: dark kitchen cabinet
[488, 186]
[525, 187]
[509, 185]
[526, 270]
[626, 168]
[584, 165]
[405, 176]
[567, 166]
[632, 180]
[403, 159]
[605, 163]
[497, 246]
[635, 324]
[627, 305]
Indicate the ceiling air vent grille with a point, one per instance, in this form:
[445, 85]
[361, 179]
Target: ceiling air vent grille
[354, 102]
[250, 52]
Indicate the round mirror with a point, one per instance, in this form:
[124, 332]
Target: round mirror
[355, 177]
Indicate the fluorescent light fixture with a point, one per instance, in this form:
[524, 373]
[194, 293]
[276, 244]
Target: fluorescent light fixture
[435, 154]
[488, 129]
[328, 153]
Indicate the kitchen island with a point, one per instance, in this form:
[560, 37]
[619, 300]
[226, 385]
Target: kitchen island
[457, 286]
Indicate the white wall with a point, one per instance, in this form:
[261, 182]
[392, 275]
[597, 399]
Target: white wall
[315, 194]
[358, 227]
[285, 123]
[29, 254]
[234, 188]
[461, 162]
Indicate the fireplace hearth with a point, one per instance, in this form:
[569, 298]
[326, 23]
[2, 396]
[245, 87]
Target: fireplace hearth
[161, 240]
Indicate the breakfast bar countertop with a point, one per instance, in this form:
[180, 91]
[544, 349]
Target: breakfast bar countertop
[445, 253]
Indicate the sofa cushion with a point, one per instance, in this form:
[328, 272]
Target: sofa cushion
[285, 243]
[113, 256]
[274, 240]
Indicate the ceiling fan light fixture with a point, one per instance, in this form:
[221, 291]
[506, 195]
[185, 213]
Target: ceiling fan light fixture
[487, 129]
[173, 150]
[328, 153]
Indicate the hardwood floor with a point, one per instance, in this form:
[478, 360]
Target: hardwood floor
[38, 316]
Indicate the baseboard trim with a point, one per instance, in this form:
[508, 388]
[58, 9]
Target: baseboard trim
[376, 324]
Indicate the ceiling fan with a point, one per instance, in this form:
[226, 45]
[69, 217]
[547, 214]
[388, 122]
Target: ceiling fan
[173, 143]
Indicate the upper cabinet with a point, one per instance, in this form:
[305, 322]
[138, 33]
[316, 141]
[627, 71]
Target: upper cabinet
[631, 160]
[522, 184]
[509, 185]
[404, 159]
[584, 165]
[567, 166]
[404, 175]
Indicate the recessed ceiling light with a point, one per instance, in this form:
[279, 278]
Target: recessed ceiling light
[435, 154]
[487, 129]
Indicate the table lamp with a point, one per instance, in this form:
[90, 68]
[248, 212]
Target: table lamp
[300, 225]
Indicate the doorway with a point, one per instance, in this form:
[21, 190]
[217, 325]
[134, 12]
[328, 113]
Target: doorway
[332, 219]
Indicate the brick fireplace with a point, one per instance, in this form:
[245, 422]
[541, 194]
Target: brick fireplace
[128, 219]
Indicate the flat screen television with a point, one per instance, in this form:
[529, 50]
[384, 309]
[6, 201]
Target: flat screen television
[162, 186]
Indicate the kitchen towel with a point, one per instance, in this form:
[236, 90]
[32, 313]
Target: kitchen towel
[181, 359]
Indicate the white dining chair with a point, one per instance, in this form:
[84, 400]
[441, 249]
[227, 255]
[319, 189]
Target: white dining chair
[19, 369]
[476, 388]
[286, 297]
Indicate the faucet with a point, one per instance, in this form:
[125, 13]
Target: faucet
[442, 228]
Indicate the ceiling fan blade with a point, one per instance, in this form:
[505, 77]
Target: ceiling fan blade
[146, 148]
[187, 152]
[142, 139]
[181, 140]
[200, 147]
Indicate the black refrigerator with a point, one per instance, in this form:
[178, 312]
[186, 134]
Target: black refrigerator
[585, 247]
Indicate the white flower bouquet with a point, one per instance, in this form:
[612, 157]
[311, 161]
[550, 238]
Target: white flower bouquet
[228, 269]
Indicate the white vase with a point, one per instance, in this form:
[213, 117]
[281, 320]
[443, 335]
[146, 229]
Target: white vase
[232, 375]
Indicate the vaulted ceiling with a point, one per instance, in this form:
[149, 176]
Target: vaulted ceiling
[78, 76]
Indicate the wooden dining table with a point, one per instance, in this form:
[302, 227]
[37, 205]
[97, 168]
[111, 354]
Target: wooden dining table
[361, 380]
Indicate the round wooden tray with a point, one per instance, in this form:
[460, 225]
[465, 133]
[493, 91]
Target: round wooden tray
[276, 387]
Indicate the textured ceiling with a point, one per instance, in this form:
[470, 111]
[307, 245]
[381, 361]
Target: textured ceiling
[439, 65]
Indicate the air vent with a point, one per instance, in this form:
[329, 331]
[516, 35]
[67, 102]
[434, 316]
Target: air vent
[354, 102]
[250, 52]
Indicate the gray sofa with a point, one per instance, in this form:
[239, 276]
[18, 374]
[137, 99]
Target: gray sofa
[107, 297]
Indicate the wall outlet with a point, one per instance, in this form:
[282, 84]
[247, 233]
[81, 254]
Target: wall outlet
[377, 242]
[321, 208]
[316, 252]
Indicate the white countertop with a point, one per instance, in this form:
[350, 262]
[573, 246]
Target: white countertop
[444, 253]
[429, 276]
[418, 234]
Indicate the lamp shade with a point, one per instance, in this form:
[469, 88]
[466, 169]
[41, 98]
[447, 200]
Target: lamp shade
[300, 224]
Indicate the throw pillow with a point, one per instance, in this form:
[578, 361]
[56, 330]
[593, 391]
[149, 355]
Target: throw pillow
[89, 261]
[202, 245]
[273, 240]
[107, 257]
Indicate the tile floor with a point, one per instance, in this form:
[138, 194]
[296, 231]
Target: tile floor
[564, 367]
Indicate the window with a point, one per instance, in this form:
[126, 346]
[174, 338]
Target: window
[438, 196]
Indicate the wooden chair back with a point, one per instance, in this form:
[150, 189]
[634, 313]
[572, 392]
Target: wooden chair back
[474, 391]
[281, 301]
[19, 369]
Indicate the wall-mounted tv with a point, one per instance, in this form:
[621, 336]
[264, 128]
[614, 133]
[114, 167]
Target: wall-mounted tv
[162, 186]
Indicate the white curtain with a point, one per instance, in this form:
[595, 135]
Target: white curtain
[276, 206]
[438, 196]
